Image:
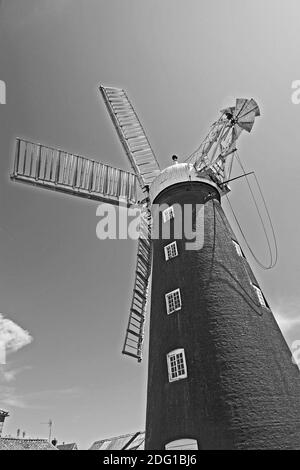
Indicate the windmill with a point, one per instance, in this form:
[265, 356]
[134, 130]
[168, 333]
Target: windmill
[209, 316]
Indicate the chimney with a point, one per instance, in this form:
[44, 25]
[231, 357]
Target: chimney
[3, 415]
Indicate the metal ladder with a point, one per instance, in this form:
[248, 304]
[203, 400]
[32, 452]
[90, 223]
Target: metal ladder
[135, 329]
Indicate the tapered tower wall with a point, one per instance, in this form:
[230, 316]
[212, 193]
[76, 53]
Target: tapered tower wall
[242, 390]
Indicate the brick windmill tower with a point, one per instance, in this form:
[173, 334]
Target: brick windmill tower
[220, 372]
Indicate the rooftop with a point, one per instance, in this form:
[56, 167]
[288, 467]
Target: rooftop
[3, 413]
[10, 443]
[178, 173]
[71, 446]
[134, 441]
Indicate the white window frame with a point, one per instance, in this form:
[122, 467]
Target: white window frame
[174, 366]
[182, 444]
[260, 296]
[238, 248]
[168, 214]
[170, 298]
[171, 251]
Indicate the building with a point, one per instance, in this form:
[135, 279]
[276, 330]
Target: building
[71, 446]
[10, 443]
[220, 372]
[220, 375]
[134, 441]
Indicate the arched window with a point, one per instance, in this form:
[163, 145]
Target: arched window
[182, 444]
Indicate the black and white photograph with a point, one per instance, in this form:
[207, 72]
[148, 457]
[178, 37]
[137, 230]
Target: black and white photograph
[149, 230]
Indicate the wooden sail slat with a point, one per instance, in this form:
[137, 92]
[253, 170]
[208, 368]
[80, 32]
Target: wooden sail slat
[58, 170]
[125, 120]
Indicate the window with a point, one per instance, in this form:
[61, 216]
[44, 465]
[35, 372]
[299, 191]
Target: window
[171, 250]
[238, 249]
[176, 365]
[182, 444]
[168, 214]
[260, 295]
[173, 301]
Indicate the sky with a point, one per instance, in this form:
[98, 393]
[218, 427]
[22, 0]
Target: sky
[180, 62]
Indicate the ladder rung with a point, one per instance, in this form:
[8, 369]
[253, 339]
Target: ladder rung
[133, 310]
[139, 358]
[134, 333]
[139, 294]
[144, 278]
[146, 261]
[136, 322]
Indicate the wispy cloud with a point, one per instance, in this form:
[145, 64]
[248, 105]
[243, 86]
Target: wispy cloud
[27, 16]
[8, 392]
[10, 396]
[9, 375]
[12, 338]
[37, 400]
[56, 394]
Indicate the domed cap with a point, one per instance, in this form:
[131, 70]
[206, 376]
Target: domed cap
[177, 173]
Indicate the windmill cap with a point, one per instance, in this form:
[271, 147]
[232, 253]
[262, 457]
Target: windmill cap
[174, 174]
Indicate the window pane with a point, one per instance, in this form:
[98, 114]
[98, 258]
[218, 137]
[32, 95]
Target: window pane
[238, 248]
[176, 365]
[173, 301]
[168, 214]
[171, 251]
[260, 296]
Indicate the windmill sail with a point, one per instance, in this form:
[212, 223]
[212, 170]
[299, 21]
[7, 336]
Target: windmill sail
[58, 170]
[131, 134]
[135, 329]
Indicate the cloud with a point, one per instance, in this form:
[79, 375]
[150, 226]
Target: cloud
[9, 375]
[9, 397]
[285, 323]
[19, 15]
[12, 336]
[287, 314]
[41, 399]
